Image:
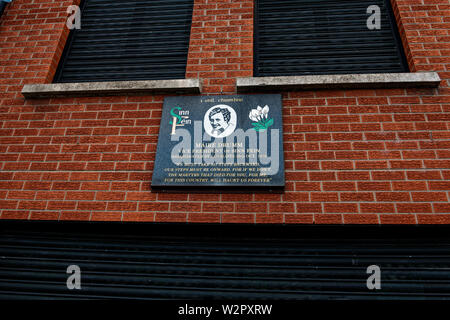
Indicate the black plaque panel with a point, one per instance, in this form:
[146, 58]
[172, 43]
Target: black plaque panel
[220, 143]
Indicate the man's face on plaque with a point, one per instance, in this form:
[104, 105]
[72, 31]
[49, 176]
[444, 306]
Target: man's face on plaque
[218, 122]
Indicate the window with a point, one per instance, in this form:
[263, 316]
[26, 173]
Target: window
[309, 37]
[128, 40]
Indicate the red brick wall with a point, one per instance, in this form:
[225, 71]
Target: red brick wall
[352, 156]
[221, 46]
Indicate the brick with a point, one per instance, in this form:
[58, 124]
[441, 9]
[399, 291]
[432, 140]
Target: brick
[409, 185]
[106, 216]
[121, 206]
[356, 155]
[268, 197]
[423, 175]
[328, 218]
[269, 218]
[182, 206]
[361, 219]
[251, 207]
[296, 176]
[406, 164]
[322, 176]
[296, 196]
[170, 217]
[340, 207]
[436, 164]
[299, 218]
[324, 196]
[61, 205]
[30, 205]
[140, 196]
[397, 219]
[308, 208]
[14, 214]
[237, 197]
[325, 155]
[281, 207]
[434, 218]
[110, 196]
[18, 195]
[441, 207]
[429, 196]
[238, 218]
[138, 216]
[218, 207]
[388, 175]
[377, 208]
[353, 175]
[356, 196]
[374, 186]
[414, 208]
[204, 217]
[393, 196]
[91, 205]
[306, 165]
[384, 155]
[307, 186]
[339, 186]
[439, 185]
[427, 154]
[75, 215]
[336, 165]
[44, 215]
[100, 186]
[80, 195]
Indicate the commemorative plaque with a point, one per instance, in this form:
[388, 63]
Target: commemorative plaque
[220, 143]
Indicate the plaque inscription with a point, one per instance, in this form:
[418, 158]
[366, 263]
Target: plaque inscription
[220, 143]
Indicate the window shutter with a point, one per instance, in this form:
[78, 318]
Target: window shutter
[128, 40]
[303, 37]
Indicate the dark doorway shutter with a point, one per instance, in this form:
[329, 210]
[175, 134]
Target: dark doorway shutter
[179, 261]
[304, 37]
[128, 40]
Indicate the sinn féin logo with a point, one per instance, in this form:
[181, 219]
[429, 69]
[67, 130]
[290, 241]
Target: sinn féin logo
[220, 121]
[179, 119]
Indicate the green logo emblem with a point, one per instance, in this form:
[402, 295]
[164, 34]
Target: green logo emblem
[178, 117]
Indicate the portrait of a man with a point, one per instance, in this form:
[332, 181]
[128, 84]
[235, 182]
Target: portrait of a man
[220, 121]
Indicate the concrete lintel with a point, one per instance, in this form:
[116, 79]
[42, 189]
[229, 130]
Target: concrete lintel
[340, 81]
[85, 89]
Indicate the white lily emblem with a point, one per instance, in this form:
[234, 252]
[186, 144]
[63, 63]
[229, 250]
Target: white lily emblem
[265, 111]
[254, 115]
[260, 116]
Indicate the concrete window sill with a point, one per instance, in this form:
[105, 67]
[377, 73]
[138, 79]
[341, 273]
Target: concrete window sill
[343, 81]
[86, 89]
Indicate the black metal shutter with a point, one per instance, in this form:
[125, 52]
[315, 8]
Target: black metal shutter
[128, 40]
[302, 37]
[154, 261]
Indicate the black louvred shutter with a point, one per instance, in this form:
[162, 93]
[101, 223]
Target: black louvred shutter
[178, 261]
[304, 37]
[128, 40]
